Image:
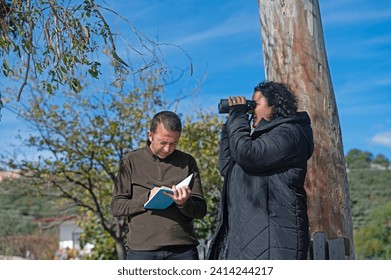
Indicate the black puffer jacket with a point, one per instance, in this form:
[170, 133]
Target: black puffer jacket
[263, 211]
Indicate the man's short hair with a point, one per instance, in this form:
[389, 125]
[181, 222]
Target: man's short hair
[170, 121]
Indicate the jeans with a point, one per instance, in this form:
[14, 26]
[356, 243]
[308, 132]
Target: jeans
[166, 253]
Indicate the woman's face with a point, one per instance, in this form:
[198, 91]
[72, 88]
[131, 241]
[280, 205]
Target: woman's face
[262, 109]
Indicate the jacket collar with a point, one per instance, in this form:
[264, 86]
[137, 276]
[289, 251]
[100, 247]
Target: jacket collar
[154, 157]
[300, 117]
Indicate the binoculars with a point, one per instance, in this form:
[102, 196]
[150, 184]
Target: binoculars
[224, 107]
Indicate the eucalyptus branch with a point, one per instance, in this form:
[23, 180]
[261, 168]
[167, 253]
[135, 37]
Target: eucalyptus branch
[113, 46]
[56, 19]
[29, 52]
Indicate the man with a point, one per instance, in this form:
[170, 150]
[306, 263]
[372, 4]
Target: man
[159, 234]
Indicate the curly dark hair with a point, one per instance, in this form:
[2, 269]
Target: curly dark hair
[280, 97]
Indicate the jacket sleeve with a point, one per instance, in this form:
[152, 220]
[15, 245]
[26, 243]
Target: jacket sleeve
[195, 207]
[224, 153]
[273, 149]
[123, 202]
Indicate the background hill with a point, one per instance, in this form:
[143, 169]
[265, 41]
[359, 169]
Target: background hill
[370, 194]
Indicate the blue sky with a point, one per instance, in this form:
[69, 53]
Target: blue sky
[223, 39]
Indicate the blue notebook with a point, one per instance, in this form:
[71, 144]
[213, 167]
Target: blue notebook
[161, 201]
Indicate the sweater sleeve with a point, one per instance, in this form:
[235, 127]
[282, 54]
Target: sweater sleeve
[123, 202]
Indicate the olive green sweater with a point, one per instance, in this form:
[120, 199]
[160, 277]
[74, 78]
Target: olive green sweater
[153, 229]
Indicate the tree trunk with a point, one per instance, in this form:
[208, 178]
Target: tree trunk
[120, 248]
[119, 238]
[294, 53]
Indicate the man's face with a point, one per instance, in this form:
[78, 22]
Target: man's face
[163, 141]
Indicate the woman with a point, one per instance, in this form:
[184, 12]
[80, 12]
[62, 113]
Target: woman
[263, 211]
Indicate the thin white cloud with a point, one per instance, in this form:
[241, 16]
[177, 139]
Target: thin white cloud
[358, 17]
[227, 28]
[383, 139]
[386, 81]
[382, 39]
[339, 13]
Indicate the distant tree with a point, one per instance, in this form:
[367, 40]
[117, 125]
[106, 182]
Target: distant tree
[381, 160]
[357, 159]
[373, 241]
[369, 187]
[20, 206]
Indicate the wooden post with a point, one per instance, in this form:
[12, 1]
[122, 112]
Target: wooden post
[319, 244]
[294, 53]
[333, 249]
